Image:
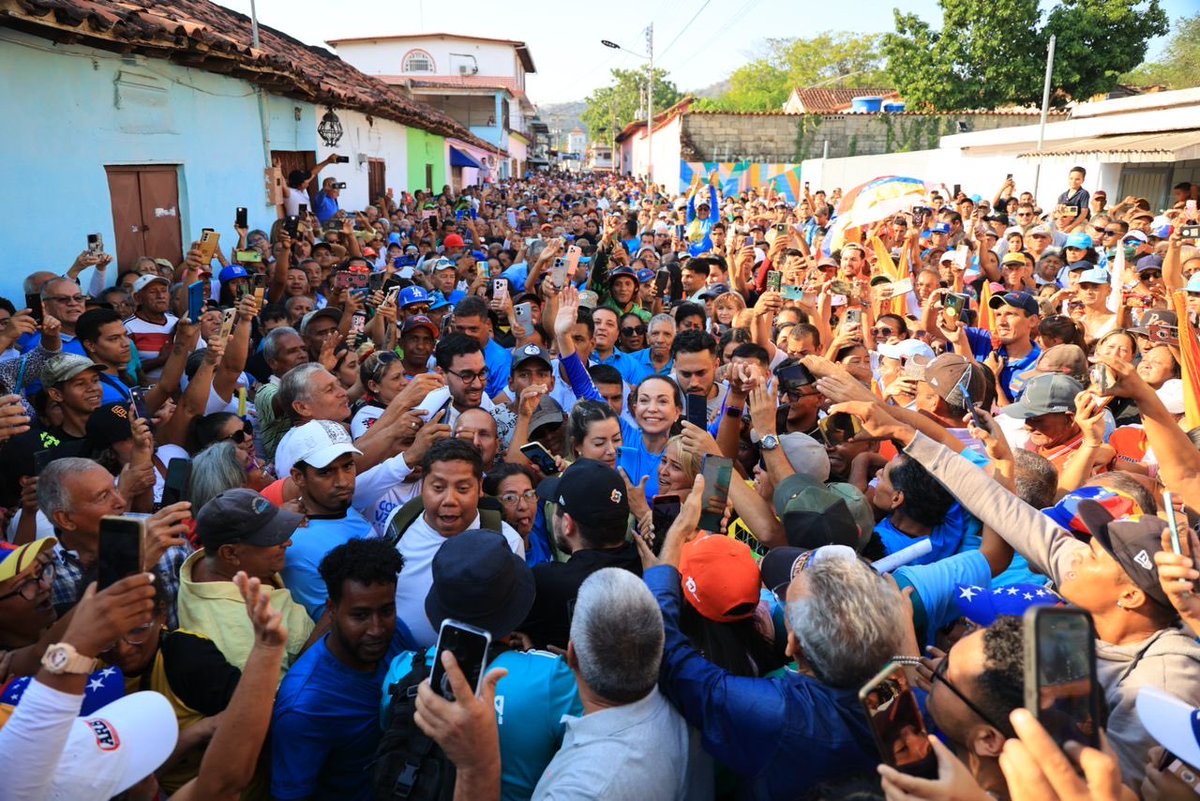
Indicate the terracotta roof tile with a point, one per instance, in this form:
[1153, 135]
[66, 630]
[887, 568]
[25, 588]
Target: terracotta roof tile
[822, 100]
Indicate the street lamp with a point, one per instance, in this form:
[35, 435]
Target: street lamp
[649, 93]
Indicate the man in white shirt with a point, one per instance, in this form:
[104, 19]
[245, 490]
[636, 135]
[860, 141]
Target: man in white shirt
[450, 492]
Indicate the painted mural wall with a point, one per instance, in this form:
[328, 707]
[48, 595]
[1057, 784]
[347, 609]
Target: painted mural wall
[740, 176]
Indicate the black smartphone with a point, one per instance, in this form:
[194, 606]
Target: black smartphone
[839, 428]
[955, 302]
[679, 231]
[664, 510]
[542, 459]
[795, 375]
[661, 278]
[242, 218]
[1168, 505]
[138, 396]
[120, 554]
[969, 402]
[1189, 231]
[196, 293]
[1060, 673]
[291, 224]
[717, 472]
[1008, 177]
[175, 485]
[33, 302]
[957, 190]
[897, 723]
[303, 211]
[44, 457]
[469, 646]
[341, 159]
[696, 412]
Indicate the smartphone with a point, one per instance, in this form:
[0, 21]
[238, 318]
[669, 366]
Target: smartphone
[969, 402]
[259, 282]
[95, 245]
[661, 279]
[957, 190]
[664, 509]
[512, 218]
[196, 293]
[392, 297]
[44, 457]
[901, 287]
[1071, 211]
[791, 292]
[303, 211]
[247, 256]
[542, 459]
[469, 646]
[919, 213]
[853, 317]
[574, 254]
[33, 302]
[175, 485]
[696, 411]
[241, 218]
[1189, 231]
[796, 374]
[774, 280]
[228, 317]
[358, 324]
[679, 231]
[443, 410]
[210, 240]
[499, 288]
[837, 429]
[1060, 673]
[341, 159]
[840, 287]
[955, 303]
[780, 228]
[121, 542]
[1102, 378]
[717, 472]
[291, 224]
[558, 274]
[1190, 207]
[897, 723]
[524, 314]
[138, 396]
[1008, 177]
[1172, 521]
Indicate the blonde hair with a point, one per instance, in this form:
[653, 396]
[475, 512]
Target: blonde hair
[689, 460]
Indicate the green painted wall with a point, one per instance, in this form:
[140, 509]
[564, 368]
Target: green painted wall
[426, 148]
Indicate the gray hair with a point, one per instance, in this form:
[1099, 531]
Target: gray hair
[53, 492]
[292, 301]
[35, 281]
[45, 290]
[295, 386]
[661, 318]
[848, 620]
[214, 470]
[271, 345]
[617, 634]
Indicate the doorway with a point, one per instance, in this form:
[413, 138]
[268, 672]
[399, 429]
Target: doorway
[376, 180]
[145, 209]
[289, 160]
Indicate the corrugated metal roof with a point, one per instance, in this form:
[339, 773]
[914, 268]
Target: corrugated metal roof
[1141, 147]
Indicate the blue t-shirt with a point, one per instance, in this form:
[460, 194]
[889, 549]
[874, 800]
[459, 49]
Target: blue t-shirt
[499, 365]
[530, 703]
[325, 728]
[326, 207]
[636, 461]
[114, 391]
[624, 362]
[310, 543]
[935, 601]
[643, 368]
[1015, 372]
[517, 275]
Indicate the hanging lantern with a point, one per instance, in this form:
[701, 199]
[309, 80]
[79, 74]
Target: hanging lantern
[330, 129]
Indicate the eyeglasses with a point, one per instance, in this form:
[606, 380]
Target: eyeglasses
[139, 635]
[1111, 232]
[1024, 213]
[28, 588]
[382, 361]
[883, 331]
[939, 674]
[513, 498]
[471, 378]
[633, 330]
[78, 300]
[417, 308]
[240, 437]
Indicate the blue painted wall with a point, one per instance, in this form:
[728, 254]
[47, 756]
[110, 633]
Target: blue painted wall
[69, 111]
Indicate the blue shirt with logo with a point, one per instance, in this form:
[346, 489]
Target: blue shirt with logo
[1015, 373]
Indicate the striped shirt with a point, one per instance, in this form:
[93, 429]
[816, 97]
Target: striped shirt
[151, 339]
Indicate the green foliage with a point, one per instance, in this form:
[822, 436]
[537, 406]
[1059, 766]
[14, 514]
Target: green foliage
[1179, 66]
[990, 53]
[765, 83]
[624, 98]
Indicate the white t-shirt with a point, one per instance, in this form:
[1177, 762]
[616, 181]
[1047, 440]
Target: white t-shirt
[292, 198]
[418, 546]
[364, 418]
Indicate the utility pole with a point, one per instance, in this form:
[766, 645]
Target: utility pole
[1037, 175]
[650, 102]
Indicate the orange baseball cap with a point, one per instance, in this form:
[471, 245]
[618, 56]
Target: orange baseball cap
[720, 578]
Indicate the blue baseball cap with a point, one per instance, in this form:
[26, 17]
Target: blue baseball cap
[1096, 275]
[479, 255]
[438, 302]
[645, 275]
[1193, 284]
[1079, 241]
[1018, 300]
[940, 228]
[232, 272]
[393, 238]
[412, 295]
[1151, 262]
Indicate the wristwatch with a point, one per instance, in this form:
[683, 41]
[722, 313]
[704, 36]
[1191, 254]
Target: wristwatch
[769, 442]
[62, 658]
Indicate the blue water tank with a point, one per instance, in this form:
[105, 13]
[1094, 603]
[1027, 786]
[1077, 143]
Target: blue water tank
[866, 105]
[893, 108]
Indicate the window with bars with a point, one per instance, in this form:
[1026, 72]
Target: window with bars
[418, 61]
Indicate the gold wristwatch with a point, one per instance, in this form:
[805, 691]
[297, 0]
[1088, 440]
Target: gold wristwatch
[62, 658]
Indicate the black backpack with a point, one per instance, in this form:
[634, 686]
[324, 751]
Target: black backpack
[489, 517]
[408, 765]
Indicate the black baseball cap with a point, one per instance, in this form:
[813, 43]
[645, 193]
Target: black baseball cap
[477, 579]
[1132, 541]
[589, 491]
[108, 424]
[243, 517]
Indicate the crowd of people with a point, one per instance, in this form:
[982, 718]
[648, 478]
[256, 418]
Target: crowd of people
[503, 411]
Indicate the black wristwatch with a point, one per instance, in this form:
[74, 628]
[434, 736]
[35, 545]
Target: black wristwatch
[733, 411]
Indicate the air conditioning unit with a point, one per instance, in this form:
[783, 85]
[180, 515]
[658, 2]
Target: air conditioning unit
[463, 69]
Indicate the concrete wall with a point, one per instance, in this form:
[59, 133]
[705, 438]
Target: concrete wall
[377, 139]
[384, 57]
[426, 148]
[782, 138]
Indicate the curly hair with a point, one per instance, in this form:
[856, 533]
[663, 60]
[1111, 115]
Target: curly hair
[1002, 682]
[367, 561]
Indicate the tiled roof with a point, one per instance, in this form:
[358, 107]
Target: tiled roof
[956, 114]
[206, 36]
[822, 100]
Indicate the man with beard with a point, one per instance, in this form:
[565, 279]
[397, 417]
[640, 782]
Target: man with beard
[325, 727]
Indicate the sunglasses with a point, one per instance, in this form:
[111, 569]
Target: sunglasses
[883, 331]
[633, 330]
[240, 437]
[1149, 276]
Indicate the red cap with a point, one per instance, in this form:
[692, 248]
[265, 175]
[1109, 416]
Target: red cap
[454, 241]
[719, 578]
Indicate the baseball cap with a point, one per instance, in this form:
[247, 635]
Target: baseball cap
[548, 412]
[108, 424]
[813, 515]
[590, 491]
[1079, 241]
[588, 299]
[1045, 394]
[439, 302]
[1013, 231]
[477, 579]
[394, 238]
[622, 272]
[714, 291]
[1065, 359]
[645, 275]
[319, 442]
[905, 349]
[1135, 234]
[412, 295]
[1039, 230]
[1065, 513]
[419, 321]
[805, 455]
[719, 578]
[1018, 300]
[1079, 266]
[1014, 257]
[411, 249]
[982, 605]
[947, 375]
[1174, 723]
[66, 366]
[1152, 261]
[1096, 275]
[454, 241]
[331, 312]
[443, 264]
[531, 351]
[14, 559]
[147, 280]
[781, 564]
[232, 272]
[940, 228]
[242, 516]
[1160, 316]
[1132, 541]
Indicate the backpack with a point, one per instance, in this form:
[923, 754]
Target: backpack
[407, 514]
[408, 765]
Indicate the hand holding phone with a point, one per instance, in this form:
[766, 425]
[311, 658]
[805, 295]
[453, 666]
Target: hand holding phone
[717, 472]
[122, 541]
[897, 724]
[469, 645]
[1061, 687]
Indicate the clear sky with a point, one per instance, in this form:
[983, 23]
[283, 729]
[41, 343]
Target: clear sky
[564, 40]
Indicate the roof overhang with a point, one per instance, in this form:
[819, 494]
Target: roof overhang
[1126, 148]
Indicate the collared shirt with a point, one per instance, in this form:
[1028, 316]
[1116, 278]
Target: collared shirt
[1013, 377]
[624, 363]
[644, 368]
[69, 579]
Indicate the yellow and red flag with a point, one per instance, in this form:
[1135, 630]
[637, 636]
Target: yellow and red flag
[1189, 352]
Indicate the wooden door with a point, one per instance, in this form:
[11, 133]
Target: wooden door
[289, 160]
[145, 209]
[376, 179]
[429, 178]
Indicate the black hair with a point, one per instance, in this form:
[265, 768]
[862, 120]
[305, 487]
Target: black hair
[902, 326]
[1062, 328]
[698, 265]
[8, 306]
[87, 327]
[584, 317]
[688, 309]
[452, 345]
[952, 216]
[492, 481]
[1001, 683]
[741, 336]
[582, 415]
[204, 431]
[272, 311]
[297, 177]
[737, 646]
[925, 500]
[693, 342]
[806, 330]
[608, 309]
[471, 306]
[605, 374]
[751, 350]
[1079, 170]
[366, 561]
[453, 450]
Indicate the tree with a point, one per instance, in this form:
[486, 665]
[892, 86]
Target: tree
[834, 57]
[991, 53]
[624, 98]
[1179, 65]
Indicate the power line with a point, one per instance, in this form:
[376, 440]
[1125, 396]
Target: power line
[720, 31]
[685, 27]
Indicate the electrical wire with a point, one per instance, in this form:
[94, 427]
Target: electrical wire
[685, 27]
[721, 30]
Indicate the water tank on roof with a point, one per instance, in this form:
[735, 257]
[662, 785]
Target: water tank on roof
[868, 104]
[895, 107]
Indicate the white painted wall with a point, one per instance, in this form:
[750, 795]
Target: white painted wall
[384, 139]
[385, 57]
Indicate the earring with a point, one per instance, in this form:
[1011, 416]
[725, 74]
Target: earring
[1120, 605]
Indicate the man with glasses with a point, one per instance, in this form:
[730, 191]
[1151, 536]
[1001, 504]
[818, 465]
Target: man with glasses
[63, 300]
[472, 319]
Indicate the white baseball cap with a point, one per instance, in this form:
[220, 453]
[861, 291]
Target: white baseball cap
[1172, 722]
[316, 443]
[147, 280]
[115, 747]
[905, 349]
